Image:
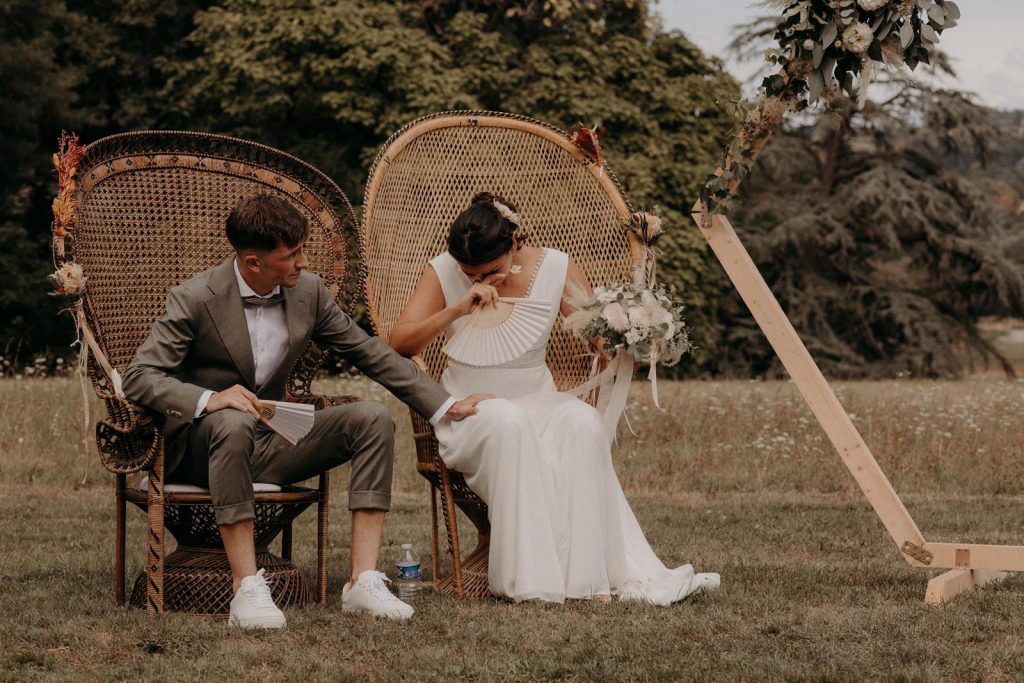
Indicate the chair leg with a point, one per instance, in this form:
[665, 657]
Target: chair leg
[119, 538]
[155, 538]
[286, 542]
[321, 538]
[452, 525]
[435, 550]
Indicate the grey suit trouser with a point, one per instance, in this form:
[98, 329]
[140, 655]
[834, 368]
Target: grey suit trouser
[228, 450]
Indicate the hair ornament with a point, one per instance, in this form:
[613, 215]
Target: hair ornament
[507, 213]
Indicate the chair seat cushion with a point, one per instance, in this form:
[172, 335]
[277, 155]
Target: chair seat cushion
[257, 487]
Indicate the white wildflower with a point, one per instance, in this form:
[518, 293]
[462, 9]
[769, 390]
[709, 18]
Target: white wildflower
[872, 5]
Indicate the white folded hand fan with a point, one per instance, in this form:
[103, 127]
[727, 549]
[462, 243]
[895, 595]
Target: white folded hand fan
[291, 421]
[494, 335]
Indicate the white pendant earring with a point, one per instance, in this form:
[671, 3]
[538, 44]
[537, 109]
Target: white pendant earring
[515, 269]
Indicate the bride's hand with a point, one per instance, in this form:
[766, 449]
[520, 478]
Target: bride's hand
[460, 410]
[483, 293]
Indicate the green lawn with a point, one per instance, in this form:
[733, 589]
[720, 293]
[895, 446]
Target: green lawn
[735, 477]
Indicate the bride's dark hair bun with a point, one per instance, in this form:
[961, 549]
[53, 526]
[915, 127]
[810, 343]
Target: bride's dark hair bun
[481, 233]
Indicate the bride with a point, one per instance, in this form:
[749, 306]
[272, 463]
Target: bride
[560, 524]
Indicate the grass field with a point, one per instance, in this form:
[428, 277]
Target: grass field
[735, 477]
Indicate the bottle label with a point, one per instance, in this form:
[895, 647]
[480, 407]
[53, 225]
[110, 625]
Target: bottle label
[409, 572]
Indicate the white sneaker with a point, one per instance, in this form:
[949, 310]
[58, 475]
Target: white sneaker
[253, 606]
[369, 594]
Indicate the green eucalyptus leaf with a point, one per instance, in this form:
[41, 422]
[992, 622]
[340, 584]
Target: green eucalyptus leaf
[828, 67]
[906, 35]
[815, 86]
[952, 10]
[929, 34]
[818, 53]
[828, 35]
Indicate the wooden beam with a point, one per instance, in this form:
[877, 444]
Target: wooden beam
[810, 382]
[945, 587]
[973, 556]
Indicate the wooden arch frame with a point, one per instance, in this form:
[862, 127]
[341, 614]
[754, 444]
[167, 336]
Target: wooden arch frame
[970, 565]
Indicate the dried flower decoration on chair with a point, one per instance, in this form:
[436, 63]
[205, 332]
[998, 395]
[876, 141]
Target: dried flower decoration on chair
[647, 225]
[65, 161]
[68, 280]
[588, 140]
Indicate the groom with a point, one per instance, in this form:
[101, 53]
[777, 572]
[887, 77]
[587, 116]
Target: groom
[229, 338]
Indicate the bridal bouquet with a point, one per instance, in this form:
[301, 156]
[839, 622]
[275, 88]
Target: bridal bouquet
[643, 321]
[639, 320]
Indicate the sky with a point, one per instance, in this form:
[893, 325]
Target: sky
[987, 47]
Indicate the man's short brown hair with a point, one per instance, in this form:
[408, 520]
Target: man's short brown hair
[262, 222]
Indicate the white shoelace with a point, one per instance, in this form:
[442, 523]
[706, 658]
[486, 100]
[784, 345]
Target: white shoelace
[374, 585]
[257, 592]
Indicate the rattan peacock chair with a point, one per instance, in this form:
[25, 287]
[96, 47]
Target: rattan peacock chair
[149, 212]
[421, 179]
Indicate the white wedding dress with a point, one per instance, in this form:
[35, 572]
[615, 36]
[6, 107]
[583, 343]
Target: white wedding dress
[560, 524]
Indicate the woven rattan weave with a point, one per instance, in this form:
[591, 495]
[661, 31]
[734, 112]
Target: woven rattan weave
[150, 211]
[422, 178]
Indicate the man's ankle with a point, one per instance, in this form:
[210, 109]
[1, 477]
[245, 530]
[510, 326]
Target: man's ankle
[236, 581]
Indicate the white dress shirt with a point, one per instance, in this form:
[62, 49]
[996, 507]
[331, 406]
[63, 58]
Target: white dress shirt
[268, 335]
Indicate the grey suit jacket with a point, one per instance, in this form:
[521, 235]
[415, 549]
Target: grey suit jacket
[202, 342]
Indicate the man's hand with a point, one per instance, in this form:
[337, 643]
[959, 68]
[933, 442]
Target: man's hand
[460, 410]
[237, 397]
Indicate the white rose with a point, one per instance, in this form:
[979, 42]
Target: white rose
[872, 5]
[639, 316]
[661, 316]
[857, 38]
[603, 295]
[616, 316]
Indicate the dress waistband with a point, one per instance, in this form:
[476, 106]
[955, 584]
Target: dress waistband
[530, 360]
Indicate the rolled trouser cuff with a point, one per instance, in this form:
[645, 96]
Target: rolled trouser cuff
[369, 500]
[235, 513]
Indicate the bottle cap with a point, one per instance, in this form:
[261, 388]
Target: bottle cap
[407, 546]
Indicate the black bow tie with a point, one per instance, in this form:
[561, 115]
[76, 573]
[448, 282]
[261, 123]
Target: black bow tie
[259, 301]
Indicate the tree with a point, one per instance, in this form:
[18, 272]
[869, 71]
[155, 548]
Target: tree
[91, 69]
[330, 81]
[883, 256]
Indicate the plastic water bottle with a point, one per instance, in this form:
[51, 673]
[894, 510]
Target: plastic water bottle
[408, 567]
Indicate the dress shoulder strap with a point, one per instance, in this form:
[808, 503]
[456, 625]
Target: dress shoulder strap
[550, 280]
[454, 282]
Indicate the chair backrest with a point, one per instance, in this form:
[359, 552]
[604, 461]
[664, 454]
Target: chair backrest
[151, 208]
[427, 173]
